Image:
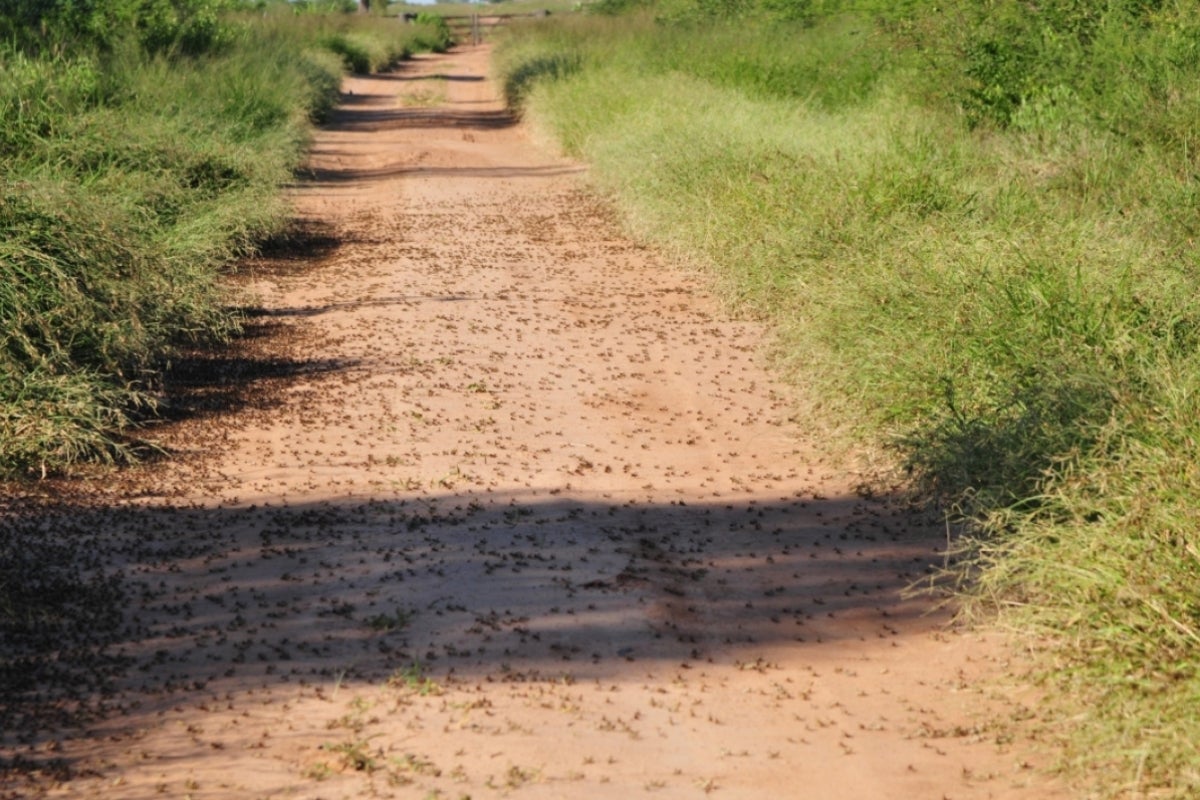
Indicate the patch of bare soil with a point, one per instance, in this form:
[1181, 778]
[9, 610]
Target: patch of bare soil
[492, 502]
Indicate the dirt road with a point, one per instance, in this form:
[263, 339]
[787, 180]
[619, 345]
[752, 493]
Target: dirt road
[493, 502]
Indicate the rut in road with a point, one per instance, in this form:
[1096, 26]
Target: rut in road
[499, 503]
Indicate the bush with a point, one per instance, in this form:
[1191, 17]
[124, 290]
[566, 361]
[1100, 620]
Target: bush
[436, 33]
[357, 53]
[185, 26]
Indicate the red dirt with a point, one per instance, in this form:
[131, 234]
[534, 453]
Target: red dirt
[499, 503]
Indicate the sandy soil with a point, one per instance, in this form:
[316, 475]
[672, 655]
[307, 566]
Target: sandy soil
[491, 502]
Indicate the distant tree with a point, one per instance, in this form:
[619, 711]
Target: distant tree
[364, 6]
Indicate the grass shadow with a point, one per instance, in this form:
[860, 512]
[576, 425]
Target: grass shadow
[302, 246]
[205, 383]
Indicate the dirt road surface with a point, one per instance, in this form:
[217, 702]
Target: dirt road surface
[491, 502]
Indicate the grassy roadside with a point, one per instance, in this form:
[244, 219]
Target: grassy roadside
[141, 153]
[975, 237]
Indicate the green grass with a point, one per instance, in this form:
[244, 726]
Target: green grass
[975, 241]
[414, 679]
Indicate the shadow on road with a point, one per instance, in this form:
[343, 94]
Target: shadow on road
[319, 175]
[381, 119]
[116, 612]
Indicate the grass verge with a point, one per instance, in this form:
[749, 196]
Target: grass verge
[976, 243]
[133, 169]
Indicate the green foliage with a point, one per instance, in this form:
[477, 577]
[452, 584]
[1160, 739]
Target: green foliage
[613, 8]
[357, 53]
[973, 228]
[368, 44]
[325, 6]
[437, 27]
[187, 26]
[131, 172]
[518, 82]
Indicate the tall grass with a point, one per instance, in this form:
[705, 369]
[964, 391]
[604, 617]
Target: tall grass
[132, 171]
[990, 268]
